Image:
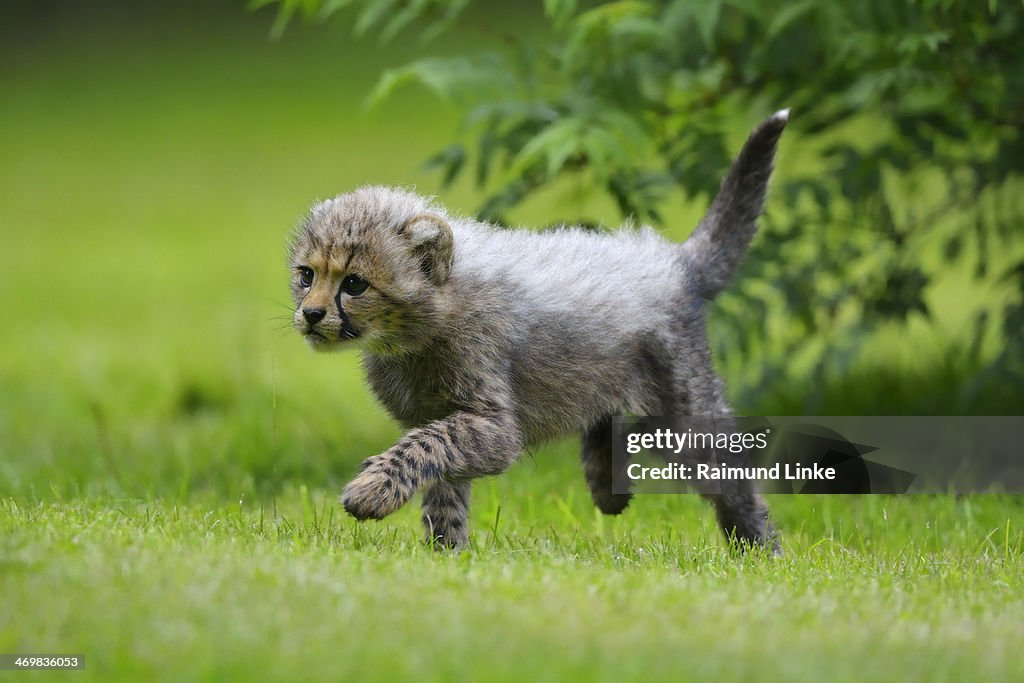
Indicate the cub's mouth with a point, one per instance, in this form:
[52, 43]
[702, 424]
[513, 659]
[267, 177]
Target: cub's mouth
[318, 341]
[322, 340]
[320, 330]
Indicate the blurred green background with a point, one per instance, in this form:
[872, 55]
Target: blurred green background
[171, 452]
[155, 158]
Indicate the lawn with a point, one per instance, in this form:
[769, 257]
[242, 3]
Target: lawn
[170, 453]
[922, 589]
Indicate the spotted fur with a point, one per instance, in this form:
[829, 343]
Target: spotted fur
[482, 341]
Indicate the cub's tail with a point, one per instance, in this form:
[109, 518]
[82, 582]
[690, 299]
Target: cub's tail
[714, 251]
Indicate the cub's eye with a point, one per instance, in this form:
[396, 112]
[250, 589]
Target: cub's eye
[354, 285]
[305, 276]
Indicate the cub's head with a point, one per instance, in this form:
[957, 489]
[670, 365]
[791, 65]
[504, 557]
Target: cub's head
[367, 267]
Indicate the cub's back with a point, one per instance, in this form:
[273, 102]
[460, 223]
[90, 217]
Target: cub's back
[563, 269]
[583, 308]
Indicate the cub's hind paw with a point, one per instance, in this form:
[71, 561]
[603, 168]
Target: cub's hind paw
[376, 491]
[611, 503]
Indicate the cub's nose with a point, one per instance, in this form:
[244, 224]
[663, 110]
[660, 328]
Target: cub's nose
[313, 315]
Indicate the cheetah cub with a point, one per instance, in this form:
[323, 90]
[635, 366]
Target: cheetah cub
[483, 341]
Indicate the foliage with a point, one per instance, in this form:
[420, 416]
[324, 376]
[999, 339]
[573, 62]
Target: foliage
[912, 110]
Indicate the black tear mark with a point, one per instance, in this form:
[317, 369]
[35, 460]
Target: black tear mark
[348, 331]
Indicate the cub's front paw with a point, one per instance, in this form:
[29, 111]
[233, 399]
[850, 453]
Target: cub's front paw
[377, 490]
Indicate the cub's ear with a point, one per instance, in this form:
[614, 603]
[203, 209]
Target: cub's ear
[431, 239]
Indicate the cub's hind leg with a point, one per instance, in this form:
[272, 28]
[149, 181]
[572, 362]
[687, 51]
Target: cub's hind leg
[682, 383]
[743, 516]
[742, 512]
[446, 513]
[599, 468]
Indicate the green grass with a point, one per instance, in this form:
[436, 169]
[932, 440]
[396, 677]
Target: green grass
[170, 454]
[898, 589]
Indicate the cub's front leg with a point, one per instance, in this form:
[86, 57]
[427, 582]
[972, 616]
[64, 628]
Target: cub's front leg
[458, 448]
[446, 513]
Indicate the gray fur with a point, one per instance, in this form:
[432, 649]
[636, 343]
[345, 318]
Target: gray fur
[483, 341]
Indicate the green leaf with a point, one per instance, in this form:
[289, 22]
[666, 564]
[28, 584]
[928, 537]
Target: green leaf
[401, 19]
[451, 14]
[789, 13]
[373, 14]
[329, 7]
[450, 160]
[550, 147]
[454, 79]
[705, 15]
[560, 12]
